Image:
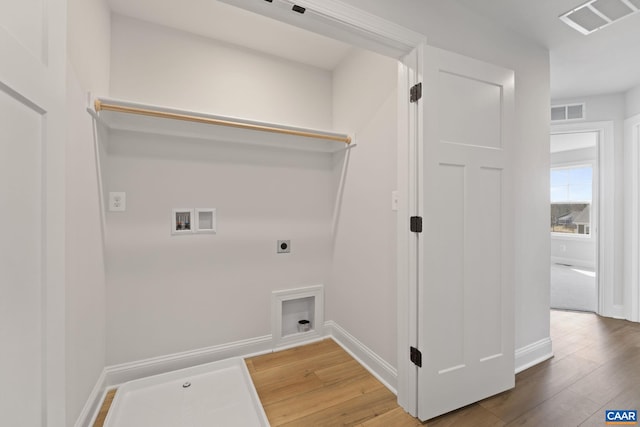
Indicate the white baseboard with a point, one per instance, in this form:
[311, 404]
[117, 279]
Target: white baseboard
[125, 372]
[376, 365]
[92, 406]
[532, 354]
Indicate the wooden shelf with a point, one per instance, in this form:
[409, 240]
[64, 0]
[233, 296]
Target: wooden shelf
[135, 117]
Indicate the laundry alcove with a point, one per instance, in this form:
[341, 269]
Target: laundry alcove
[266, 181]
[188, 298]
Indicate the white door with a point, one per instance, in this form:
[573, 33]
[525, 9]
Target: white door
[32, 82]
[465, 268]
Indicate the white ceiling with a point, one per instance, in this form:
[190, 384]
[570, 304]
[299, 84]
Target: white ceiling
[607, 61]
[233, 25]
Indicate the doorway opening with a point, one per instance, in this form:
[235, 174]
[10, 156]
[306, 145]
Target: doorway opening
[574, 208]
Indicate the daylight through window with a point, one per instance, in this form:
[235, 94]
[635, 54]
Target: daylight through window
[571, 192]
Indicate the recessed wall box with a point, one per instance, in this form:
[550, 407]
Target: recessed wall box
[284, 246]
[182, 221]
[205, 220]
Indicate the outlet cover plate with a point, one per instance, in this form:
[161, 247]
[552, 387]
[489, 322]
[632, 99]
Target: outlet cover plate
[117, 201]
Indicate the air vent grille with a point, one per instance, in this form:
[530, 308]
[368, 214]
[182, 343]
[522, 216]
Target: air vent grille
[567, 112]
[597, 14]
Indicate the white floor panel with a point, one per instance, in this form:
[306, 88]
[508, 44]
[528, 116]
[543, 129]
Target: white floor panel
[573, 288]
[216, 394]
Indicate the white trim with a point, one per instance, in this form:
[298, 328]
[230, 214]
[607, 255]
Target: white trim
[92, 405]
[631, 222]
[406, 375]
[375, 364]
[532, 354]
[278, 298]
[359, 21]
[339, 20]
[122, 373]
[606, 206]
[409, 174]
[113, 376]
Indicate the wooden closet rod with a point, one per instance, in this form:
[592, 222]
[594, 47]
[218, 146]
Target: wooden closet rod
[99, 105]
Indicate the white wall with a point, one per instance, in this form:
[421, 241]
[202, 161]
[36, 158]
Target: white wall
[611, 108]
[362, 293]
[570, 249]
[163, 66]
[88, 46]
[86, 297]
[166, 293]
[89, 43]
[169, 294]
[632, 102]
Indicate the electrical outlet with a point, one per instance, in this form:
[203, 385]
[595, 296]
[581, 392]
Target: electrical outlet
[117, 201]
[284, 246]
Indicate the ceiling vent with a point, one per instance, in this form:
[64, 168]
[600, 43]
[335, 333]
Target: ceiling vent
[597, 14]
[563, 113]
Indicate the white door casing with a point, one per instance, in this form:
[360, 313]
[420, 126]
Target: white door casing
[32, 212]
[465, 252]
[632, 220]
[605, 226]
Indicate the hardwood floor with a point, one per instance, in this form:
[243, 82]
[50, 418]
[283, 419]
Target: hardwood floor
[106, 404]
[321, 385]
[596, 367]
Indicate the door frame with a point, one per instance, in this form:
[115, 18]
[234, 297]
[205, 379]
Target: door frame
[605, 256]
[631, 222]
[352, 25]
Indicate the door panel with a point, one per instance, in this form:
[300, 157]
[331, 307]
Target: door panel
[23, 20]
[448, 349]
[32, 211]
[473, 102]
[21, 263]
[465, 287]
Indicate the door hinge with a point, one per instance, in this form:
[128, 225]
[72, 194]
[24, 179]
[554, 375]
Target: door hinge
[416, 357]
[415, 93]
[416, 224]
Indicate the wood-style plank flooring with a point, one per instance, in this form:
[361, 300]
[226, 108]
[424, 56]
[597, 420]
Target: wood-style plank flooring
[596, 367]
[321, 385]
[106, 404]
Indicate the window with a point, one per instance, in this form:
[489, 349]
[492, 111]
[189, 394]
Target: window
[571, 192]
